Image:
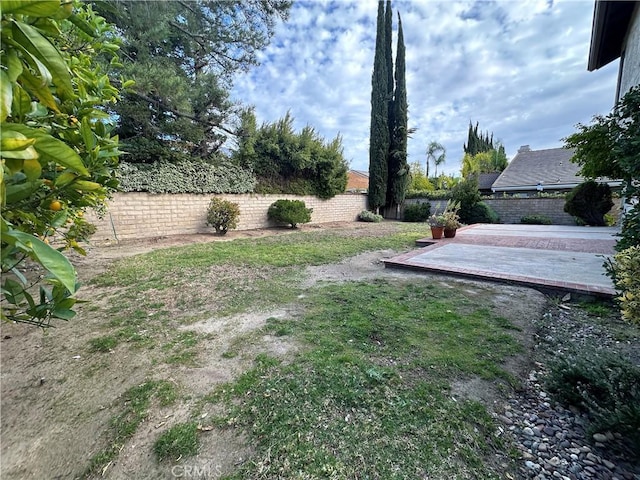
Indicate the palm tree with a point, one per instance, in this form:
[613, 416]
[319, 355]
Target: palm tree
[436, 153]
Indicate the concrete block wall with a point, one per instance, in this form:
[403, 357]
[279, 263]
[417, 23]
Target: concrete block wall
[512, 209]
[145, 215]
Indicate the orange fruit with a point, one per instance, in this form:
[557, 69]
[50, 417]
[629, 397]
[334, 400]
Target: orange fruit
[55, 205]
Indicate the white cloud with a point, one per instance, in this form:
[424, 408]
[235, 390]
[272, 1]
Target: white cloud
[518, 68]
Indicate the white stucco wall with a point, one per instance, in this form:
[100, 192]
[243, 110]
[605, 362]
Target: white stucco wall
[630, 75]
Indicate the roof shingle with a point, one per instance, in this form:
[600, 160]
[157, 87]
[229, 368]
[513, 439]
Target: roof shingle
[548, 167]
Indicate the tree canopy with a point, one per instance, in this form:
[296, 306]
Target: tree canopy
[182, 56]
[610, 147]
[398, 166]
[388, 168]
[58, 152]
[379, 138]
[285, 161]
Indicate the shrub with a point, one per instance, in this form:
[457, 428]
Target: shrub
[222, 215]
[605, 385]
[480, 213]
[185, 177]
[417, 212]
[589, 201]
[625, 271]
[472, 209]
[536, 219]
[291, 212]
[367, 216]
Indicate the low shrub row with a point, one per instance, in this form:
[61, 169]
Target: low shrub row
[223, 215]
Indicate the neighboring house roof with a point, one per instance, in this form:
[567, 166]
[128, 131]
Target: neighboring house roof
[610, 24]
[551, 168]
[357, 180]
[485, 180]
[360, 173]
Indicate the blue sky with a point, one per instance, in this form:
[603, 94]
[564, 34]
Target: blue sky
[519, 68]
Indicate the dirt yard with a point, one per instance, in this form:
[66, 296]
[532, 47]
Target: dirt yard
[58, 397]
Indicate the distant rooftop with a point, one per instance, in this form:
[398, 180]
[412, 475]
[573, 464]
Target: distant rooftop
[550, 168]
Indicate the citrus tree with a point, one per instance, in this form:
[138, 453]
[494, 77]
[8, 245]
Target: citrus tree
[57, 153]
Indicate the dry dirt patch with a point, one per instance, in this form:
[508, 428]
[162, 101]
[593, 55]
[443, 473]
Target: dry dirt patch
[58, 397]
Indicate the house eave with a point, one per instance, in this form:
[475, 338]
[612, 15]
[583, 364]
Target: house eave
[610, 23]
[549, 187]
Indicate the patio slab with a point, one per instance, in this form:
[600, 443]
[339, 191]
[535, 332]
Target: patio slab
[550, 257]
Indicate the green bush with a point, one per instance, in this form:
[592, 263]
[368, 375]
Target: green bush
[604, 384]
[291, 212]
[625, 271]
[536, 219]
[481, 213]
[417, 212]
[367, 216]
[472, 209]
[589, 201]
[185, 177]
[222, 215]
[429, 194]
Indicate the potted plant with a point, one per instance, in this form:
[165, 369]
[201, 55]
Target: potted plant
[451, 219]
[437, 224]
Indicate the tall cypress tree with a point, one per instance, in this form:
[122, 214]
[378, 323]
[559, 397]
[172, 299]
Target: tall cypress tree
[379, 133]
[388, 58]
[398, 167]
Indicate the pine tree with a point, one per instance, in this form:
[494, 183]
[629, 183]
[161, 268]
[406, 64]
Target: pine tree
[398, 166]
[379, 133]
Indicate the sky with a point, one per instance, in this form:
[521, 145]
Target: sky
[518, 68]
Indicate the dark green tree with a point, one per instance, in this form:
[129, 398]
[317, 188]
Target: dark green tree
[182, 55]
[478, 142]
[379, 133]
[388, 58]
[610, 147]
[285, 161]
[589, 201]
[398, 166]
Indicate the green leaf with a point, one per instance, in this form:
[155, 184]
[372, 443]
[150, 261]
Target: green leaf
[51, 149]
[14, 66]
[34, 8]
[59, 219]
[15, 193]
[40, 47]
[21, 103]
[24, 154]
[6, 96]
[32, 168]
[82, 25]
[87, 134]
[40, 90]
[51, 259]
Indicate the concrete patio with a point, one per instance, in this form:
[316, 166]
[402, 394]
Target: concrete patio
[548, 257]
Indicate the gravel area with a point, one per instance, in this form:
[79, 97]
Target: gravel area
[552, 440]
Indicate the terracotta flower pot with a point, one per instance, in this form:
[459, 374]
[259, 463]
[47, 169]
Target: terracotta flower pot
[449, 232]
[436, 232]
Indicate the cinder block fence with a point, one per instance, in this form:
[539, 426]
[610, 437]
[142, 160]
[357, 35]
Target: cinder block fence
[146, 215]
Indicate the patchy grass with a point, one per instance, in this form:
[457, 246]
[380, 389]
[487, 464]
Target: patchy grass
[371, 397]
[297, 249]
[134, 405]
[103, 344]
[181, 440]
